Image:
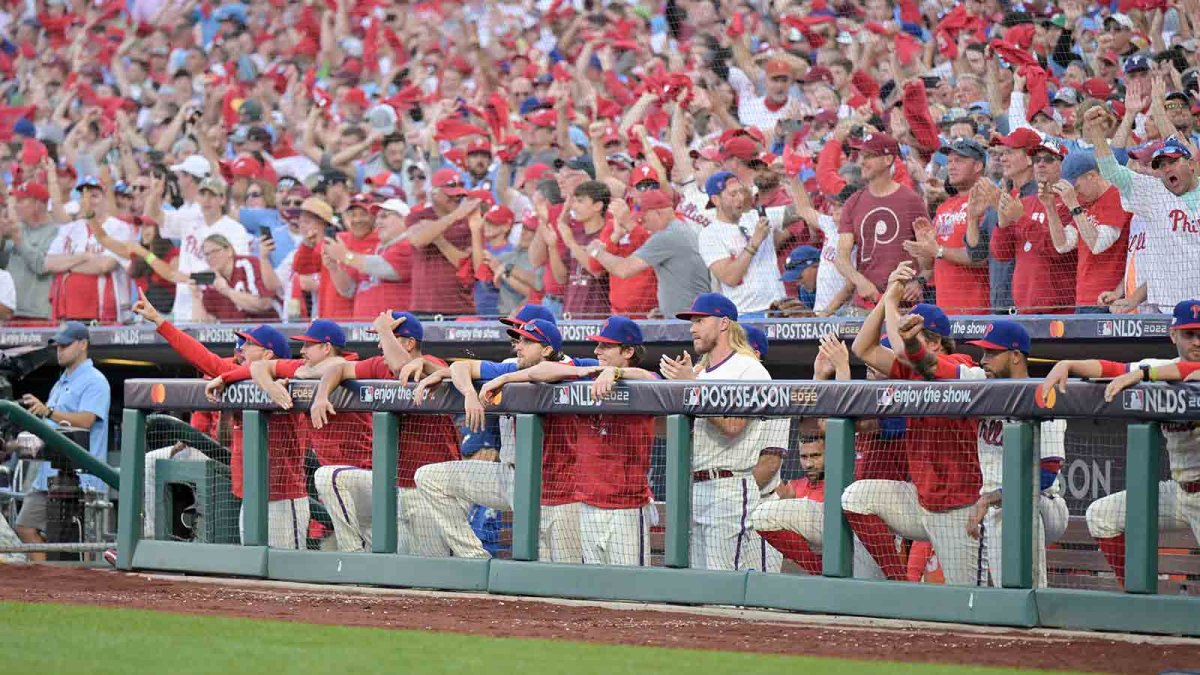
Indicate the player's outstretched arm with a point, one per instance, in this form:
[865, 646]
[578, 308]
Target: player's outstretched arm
[463, 374]
[321, 407]
[866, 345]
[1171, 372]
[1057, 378]
[263, 374]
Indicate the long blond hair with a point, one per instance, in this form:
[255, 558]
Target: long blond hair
[738, 342]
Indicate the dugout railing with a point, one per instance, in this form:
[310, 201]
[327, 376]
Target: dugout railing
[1140, 608]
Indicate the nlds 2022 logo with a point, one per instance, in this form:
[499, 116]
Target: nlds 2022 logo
[749, 396]
[1131, 328]
[581, 395]
[1165, 401]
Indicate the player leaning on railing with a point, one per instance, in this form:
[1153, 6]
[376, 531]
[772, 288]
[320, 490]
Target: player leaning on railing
[942, 457]
[1178, 498]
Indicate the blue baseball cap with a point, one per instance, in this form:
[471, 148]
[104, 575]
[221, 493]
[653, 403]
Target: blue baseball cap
[800, 259]
[323, 330]
[1004, 336]
[1172, 148]
[758, 341]
[715, 185]
[1077, 164]
[540, 331]
[710, 304]
[1187, 315]
[936, 320]
[70, 333]
[527, 313]
[618, 330]
[411, 327]
[268, 338]
[1136, 63]
[89, 182]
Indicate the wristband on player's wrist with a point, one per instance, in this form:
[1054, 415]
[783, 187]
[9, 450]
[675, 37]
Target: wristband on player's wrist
[918, 355]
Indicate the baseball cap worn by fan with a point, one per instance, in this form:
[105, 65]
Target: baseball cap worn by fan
[29, 190]
[395, 206]
[193, 165]
[1077, 164]
[716, 184]
[936, 320]
[268, 338]
[758, 341]
[323, 331]
[880, 144]
[710, 304]
[1020, 139]
[449, 182]
[618, 330]
[319, 208]
[214, 185]
[1172, 148]
[1138, 63]
[527, 313]
[540, 331]
[965, 147]
[740, 147]
[1004, 336]
[1186, 315]
[651, 200]
[800, 259]
[69, 333]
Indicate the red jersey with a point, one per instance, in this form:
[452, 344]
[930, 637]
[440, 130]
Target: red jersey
[246, 278]
[424, 439]
[558, 460]
[943, 454]
[285, 454]
[375, 295]
[1103, 272]
[807, 489]
[880, 226]
[879, 459]
[1043, 279]
[435, 287]
[636, 296]
[330, 303]
[960, 289]
[613, 460]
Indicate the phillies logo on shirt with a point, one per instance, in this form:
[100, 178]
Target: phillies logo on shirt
[879, 227]
[1180, 222]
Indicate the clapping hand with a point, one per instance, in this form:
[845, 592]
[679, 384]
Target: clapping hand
[677, 368]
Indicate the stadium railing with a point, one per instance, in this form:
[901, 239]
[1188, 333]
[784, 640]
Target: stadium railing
[1142, 607]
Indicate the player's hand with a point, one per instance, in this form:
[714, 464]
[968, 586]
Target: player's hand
[1107, 298]
[475, 414]
[320, 411]
[603, 383]
[425, 385]
[1057, 377]
[978, 511]
[488, 392]
[412, 372]
[1121, 383]
[214, 389]
[144, 309]
[278, 392]
[910, 327]
[386, 323]
[677, 369]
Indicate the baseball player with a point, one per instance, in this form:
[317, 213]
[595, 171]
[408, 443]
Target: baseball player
[1006, 347]
[424, 439]
[449, 488]
[1178, 498]
[942, 457]
[287, 507]
[725, 450]
[612, 451]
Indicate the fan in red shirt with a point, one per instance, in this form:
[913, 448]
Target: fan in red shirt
[288, 496]
[612, 452]
[344, 441]
[424, 439]
[632, 296]
[942, 452]
[1043, 278]
[238, 292]
[383, 277]
[322, 254]
[441, 238]
[582, 220]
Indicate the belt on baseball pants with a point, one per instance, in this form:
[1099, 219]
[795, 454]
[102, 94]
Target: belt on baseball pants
[1191, 487]
[711, 474]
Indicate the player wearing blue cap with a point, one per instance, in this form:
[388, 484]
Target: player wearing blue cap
[612, 451]
[449, 488]
[288, 510]
[424, 439]
[1006, 347]
[1179, 497]
[725, 450]
[942, 455]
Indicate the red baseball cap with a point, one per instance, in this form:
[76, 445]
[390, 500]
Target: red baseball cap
[777, 68]
[641, 174]
[1021, 139]
[31, 190]
[449, 182]
[655, 199]
[534, 172]
[355, 96]
[1096, 88]
[818, 74]
[481, 145]
[363, 200]
[879, 144]
[543, 118]
[245, 166]
[499, 215]
[740, 147]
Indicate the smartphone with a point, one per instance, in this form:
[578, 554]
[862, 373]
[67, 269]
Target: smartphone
[331, 231]
[265, 232]
[204, 278]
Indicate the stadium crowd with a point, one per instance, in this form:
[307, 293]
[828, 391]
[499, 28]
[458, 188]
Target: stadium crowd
[295, 160]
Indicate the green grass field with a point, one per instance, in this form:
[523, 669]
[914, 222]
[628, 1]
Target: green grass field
[60, 638]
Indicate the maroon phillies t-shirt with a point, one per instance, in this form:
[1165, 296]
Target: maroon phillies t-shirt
[435, 285]
[586, 296]
[880, 226]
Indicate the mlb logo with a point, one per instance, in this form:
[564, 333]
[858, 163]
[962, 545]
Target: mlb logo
[691, 396]
[562, 396]
[1105, 329]
[886, 396]
[366, 394]
[770, 331]
[1134, 399]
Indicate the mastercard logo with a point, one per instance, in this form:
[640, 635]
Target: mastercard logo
[1057, 329]
[1045, 398]
[158, 393]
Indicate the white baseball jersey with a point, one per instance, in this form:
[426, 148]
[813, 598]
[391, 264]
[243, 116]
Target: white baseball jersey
[1182, 438]
[711, 449]
[1172, 232]
[1049, 437]
[74, 238]
[693, 208]
[829, 279]
[752, 108]
[188, 226]
[762, 284]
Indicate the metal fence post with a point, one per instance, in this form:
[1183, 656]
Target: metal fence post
[527, 488]
[133, 485]
[385, 437]
[255, 485]
[1016, 524]
[679, 491]
[1141, 508]
[837, 554]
